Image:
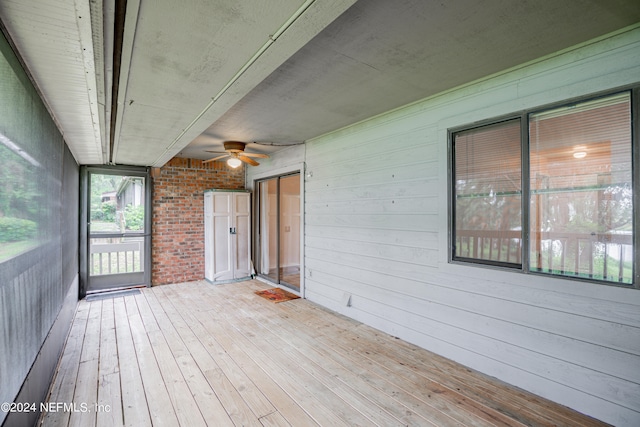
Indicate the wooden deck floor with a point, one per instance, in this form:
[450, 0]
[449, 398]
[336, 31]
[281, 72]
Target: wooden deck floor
[202, 355]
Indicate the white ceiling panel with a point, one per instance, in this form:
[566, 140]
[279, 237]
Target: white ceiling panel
[55, 40]
[380, 55]
[174, 76]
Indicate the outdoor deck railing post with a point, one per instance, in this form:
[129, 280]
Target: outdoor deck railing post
[116, 255]
[558, 248]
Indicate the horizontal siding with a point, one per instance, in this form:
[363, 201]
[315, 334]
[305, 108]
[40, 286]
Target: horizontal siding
[520, 312]
[284, 160]
[408, 238]
[383, 251]
[485, 362]
[572, 344]
[494, 339]
[599, 358]
[376, 245]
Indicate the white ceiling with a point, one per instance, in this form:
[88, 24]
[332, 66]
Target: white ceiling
[195, 73]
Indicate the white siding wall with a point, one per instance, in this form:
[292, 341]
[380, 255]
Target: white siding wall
[376, 230]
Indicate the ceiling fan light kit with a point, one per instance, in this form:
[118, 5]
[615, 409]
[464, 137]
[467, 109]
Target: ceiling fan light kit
[234, 162]
[235, 150]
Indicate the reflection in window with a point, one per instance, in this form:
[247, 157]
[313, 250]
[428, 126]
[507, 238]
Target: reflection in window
[581, 194]
[488, 193]
[579, 204]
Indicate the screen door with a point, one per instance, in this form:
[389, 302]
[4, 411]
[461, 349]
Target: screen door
[116, 220]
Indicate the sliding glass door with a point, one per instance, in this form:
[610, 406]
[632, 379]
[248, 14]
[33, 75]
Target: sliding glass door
[279, 230]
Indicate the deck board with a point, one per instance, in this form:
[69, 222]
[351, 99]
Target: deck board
[214, 355]
[109, 390]
[159, 404]
[67, 375]
[134, 399]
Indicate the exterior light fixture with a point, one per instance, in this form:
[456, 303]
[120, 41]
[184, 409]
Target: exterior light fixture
[234, 162]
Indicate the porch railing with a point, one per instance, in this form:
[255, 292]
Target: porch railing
[604, 256]
[115, 258]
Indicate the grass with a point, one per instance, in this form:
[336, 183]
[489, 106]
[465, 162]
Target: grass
[101, 226]
[597, 270]
[11, 249]
[560, 266]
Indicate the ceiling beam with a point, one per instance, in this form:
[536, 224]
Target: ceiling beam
[128, 21]
[118, 23]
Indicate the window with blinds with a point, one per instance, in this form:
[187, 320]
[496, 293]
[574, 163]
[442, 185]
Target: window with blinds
[579, 197]
[488, 191]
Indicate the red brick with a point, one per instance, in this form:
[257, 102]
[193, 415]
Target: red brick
[178, 216]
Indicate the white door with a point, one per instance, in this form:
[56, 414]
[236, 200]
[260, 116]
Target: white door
[227, 235]
[241, 237]
[218, 262]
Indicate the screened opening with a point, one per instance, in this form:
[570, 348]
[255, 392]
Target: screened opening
[488, 193]
[31, 150]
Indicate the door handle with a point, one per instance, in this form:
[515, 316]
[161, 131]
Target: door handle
[232, 230]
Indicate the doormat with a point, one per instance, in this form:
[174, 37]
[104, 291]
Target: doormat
[276, 295]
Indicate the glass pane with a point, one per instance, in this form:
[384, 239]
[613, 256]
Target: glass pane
[117, 204]
[581, 194]
[290, 230]
[269, 228]
[116, 255]
[488, 193]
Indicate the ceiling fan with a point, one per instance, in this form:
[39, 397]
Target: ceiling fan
[235, 150]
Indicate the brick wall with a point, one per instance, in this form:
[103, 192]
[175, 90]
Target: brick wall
[177, 253]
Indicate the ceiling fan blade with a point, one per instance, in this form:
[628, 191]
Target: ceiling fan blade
[215, 152]
[215, 158]
[248, 160]
[262, 156]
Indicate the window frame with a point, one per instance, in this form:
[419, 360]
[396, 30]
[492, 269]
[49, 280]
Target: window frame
[452, 194]
[524, 119]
